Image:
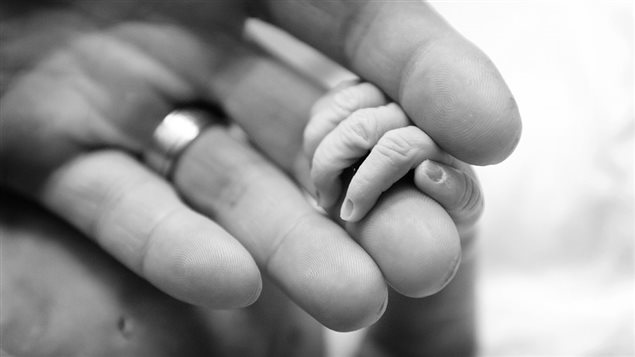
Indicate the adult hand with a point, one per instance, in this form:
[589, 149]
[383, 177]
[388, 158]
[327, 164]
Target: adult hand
[88, 82]
[63, 296]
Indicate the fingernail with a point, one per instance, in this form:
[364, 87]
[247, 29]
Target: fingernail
[347, 209]
[433, 171]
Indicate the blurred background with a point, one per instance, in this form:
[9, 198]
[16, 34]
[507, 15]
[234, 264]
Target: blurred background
[557, 243]
[557, 238]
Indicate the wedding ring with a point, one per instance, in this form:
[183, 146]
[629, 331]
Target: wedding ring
[174, 134]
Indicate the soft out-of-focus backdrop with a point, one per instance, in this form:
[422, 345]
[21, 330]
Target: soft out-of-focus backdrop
[557, 242]
[556, 249]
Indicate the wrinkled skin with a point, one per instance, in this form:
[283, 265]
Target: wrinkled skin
[83, 85]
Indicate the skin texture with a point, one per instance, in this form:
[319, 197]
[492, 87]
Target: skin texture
[62, 296]
[84, 84]
[355, 120]
[420, 62]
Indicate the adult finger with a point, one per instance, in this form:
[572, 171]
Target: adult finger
[448, 87]
[439, 325]
[309, 256]
[56, 286]
[412, 239]
[138, 218]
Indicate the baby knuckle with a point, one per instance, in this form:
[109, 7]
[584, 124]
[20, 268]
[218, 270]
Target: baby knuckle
[346, 100]
[418, 138]
[357, 128]
[394, 146]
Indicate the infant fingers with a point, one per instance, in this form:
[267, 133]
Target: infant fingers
[347, 143]
[457, 190]
[397, 152]
[336, 106]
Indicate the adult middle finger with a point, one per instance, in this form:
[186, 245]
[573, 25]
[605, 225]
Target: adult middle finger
[309, 256]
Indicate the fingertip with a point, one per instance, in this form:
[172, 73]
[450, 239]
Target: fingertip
[347, 210]
[356, 297]
[438, 260]
[353, 209]
[232, 281]
[455, 93]
[497, 132]
[361, 306]
[329, 275]
[417, 256]
[203, 265]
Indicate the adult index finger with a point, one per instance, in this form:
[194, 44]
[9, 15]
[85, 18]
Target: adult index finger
[137, 218]
[448, 87]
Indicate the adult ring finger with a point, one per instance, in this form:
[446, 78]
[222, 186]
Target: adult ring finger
[174, 134]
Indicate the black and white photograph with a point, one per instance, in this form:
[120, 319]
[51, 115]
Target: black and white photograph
[317, 178]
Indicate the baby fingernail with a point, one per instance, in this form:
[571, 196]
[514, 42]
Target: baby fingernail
[347, 210]
[433, 171]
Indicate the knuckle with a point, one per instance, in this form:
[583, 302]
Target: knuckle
[284, 235]
[392, 109]
[347, 99]
[358, 127]
[113, 198]
[417, 138]
[232, 183]
[151, 238]
[394, 146]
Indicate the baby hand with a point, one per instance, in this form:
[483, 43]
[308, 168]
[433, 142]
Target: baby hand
[356, 119]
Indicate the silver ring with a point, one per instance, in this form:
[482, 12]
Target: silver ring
[173, 135]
